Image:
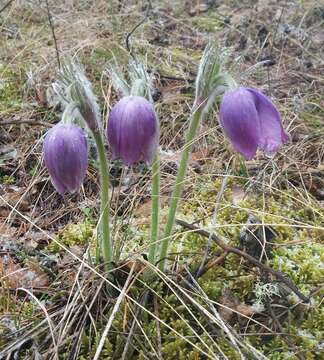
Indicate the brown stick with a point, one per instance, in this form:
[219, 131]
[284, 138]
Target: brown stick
[51, 24]
[6, 5]
[279, 275]
[28, 122]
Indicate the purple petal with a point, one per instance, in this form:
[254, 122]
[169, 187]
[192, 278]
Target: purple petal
[133, 130]
[240, 121]
[272, 135]
[66, 157]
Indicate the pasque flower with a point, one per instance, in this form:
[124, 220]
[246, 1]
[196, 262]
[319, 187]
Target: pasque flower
[65, 152]
[251, 121]
[133, 130]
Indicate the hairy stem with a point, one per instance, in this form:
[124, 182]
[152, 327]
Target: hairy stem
[177, 191]
[104, 201]
[155, 208]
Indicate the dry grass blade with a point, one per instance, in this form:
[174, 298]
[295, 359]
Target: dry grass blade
[114, 310]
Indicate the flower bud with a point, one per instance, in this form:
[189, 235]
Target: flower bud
[251, 121]
[133, 130]
[74, 88]
[65, 152]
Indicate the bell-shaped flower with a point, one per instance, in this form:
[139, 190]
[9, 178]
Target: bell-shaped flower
[133, 130]
[251, 121]
[65, 152]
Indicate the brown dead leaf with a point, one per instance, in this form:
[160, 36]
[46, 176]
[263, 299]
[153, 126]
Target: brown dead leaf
[68, 258]
[32, 239]
[238, 194]
[6, 230]
[144, 211]
[13, 275]
[200, 155]
[232, 307]
[14, 196]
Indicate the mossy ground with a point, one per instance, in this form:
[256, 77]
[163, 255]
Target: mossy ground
[298, 252]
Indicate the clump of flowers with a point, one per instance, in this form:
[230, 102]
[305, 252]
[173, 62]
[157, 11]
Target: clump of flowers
[248, 117]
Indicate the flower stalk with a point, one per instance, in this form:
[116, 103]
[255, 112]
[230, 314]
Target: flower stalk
[196, 118]
[104, 227]
[76, 92]
[155, 208]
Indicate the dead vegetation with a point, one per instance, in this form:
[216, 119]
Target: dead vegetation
[54, 303]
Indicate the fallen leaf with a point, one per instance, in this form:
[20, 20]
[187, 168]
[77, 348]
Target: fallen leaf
[232, 307]
[68, 258]
[200, 155]
[32, 239]
[238, 194]
[14, 276]
[14, 196]
[6, 230]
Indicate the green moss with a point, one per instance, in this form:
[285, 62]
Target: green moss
[207, 23]
[74, 234]
[11, 82]
[303, 263]
[7, 179]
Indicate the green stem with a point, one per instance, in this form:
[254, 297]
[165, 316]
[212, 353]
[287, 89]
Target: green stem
[68, 111]
[177, 191]
[104, 201]
[155, 208]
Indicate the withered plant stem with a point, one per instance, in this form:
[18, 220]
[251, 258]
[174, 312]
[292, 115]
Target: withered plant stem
[281, 277]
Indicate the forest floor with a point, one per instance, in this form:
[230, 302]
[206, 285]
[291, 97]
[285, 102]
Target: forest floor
[53, 302]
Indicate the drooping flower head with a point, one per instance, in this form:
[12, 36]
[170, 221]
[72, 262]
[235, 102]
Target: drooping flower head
[133, 130]
[65, 152]
[251, 121]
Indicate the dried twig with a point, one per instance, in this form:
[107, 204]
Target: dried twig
[213, 262]
[49, 16]
[26, 121]
[128, 47]
[230, 249]
[4, 7]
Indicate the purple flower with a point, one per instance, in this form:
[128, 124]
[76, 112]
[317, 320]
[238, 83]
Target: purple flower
[251, 121]
[65, 153]
[133, 130]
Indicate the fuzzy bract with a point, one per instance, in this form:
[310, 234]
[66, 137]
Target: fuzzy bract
[133, 130]
[250, 120]
[65, 152]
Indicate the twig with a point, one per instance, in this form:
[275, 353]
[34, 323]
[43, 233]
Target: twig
[49, 16]
[149, 7]
[279, 275]
[213, 262]
[29, 122]
[4, 7]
